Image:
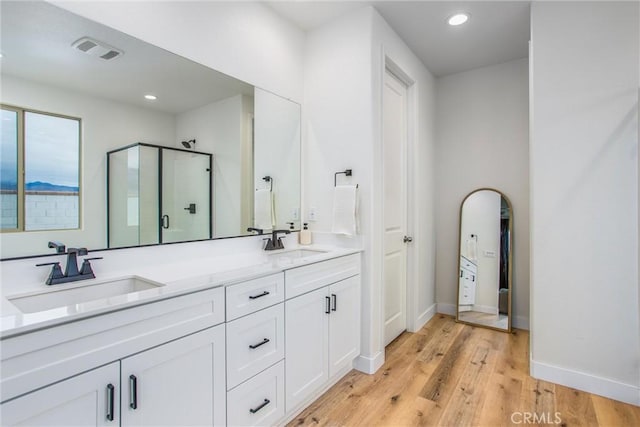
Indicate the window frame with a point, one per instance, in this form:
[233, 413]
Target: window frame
[21, 209]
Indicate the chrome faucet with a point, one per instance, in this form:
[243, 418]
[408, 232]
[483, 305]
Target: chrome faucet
[275, 242]
[71, 273]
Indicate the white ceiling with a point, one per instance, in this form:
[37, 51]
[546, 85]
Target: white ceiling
[36, 40]
[498, 31]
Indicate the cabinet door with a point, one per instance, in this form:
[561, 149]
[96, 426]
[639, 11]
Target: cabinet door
[306, 344]
[89, 399]
[344, 324]
[180, 383]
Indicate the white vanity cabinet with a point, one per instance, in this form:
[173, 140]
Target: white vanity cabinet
[79, 373]
[468, 282]
[255, 351]
[179, 383]
[89, 399]
[322, 325]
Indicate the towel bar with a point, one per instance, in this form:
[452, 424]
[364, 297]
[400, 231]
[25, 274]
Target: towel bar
[346, 172]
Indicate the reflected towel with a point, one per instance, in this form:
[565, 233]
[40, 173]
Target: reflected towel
[345, 210]
[263, 209]
[472, 249]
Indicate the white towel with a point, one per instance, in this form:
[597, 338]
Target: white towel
[345, 210]
[263, 209]
[472, 249]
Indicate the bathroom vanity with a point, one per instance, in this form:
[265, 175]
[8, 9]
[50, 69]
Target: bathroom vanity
[249, 346]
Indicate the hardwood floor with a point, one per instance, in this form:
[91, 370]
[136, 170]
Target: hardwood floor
[450, 374]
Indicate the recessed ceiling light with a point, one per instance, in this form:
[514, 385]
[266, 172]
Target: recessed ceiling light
[151, 97]
[458, 19]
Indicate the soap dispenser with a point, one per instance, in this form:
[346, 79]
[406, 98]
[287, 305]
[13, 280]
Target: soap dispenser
[305, 235]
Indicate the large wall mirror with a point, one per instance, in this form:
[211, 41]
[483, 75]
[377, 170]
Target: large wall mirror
[123, 93]
[485, 269]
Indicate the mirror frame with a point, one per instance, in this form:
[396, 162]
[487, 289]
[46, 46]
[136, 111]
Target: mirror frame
[509, 263]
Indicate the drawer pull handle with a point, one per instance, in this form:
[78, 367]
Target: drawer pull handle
[265, 293]
[328, 309]
[133, 392]
[254, 346]
[335, 302]
[262, 405]
[110, 401]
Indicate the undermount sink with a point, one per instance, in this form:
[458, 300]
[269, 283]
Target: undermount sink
[64, 296]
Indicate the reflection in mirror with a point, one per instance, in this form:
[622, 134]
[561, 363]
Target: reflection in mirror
[484, 274]
[44, 70]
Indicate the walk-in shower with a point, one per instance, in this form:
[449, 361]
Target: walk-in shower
[157, 194]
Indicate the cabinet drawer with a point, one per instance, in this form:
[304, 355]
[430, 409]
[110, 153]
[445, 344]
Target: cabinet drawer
[310, 277]
[259, 401]
[254, 342]
[246, 297]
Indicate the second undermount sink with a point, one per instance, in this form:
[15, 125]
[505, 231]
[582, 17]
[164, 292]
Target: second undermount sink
[85, 293]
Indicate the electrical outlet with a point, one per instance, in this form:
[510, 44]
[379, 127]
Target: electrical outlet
[490, 254]
[313, 214]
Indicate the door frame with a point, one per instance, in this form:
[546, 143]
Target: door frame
[388, 64]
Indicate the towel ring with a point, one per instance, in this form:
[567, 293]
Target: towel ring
[346, 172]
[270, 181]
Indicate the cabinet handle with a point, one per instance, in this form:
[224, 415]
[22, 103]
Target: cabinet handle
[328, 301]
[110, 401]
[473, 277]
[335, 302]
[461, 273]
[265, 293]
[262, 405]
[133, 392]
[254, 346]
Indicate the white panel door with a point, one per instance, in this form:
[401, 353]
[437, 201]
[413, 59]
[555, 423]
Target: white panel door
[306, 344]
[89, 399]
[181, 383]
[395, 206]
[344, 324]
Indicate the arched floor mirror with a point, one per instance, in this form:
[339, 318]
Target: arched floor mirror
[485, 266]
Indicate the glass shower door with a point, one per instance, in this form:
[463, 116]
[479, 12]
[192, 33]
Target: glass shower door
[185, 196]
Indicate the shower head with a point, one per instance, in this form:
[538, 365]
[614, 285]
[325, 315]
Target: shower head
[189, 144]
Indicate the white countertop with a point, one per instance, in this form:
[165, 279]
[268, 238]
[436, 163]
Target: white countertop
[174, 279]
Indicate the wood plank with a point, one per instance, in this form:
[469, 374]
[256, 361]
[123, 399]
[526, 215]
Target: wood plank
[468, 396]
[574, 407]
[502, 401]
[612, 413]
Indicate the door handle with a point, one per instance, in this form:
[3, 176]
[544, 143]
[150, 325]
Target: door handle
[263, 342]
[328, 306]
[407, 239]
[110, 401]
[335, 302]
[133, 392]
[262, 405]
[165, 221]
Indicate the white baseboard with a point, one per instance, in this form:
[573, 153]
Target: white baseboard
[369, 365]
[627, 393]
[424, 318]
[444, 308]
[520, 322]
[485, 309]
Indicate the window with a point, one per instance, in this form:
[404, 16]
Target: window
[39, 171]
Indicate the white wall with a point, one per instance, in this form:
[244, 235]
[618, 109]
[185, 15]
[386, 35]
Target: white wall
[584, 196]
[482, 141]
[246, 40]
[218, 128]
[344, 67]
[106, 125]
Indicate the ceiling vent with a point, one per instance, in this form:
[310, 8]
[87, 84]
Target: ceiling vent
[98, 49]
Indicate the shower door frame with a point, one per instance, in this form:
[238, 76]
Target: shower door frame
[160, 148]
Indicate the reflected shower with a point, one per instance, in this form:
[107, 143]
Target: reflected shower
[189, 144]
